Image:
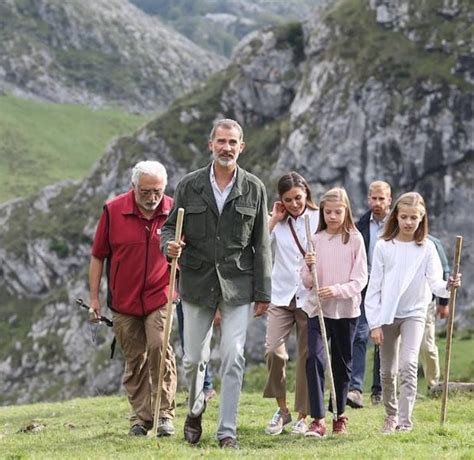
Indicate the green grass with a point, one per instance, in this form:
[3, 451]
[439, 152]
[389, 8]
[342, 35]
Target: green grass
[462, 365]
[43, 143]
[97, 427]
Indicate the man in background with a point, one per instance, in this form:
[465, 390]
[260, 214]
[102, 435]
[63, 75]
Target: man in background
[429, 356]
[371, 226]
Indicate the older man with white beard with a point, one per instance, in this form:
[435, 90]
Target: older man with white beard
[128, 239]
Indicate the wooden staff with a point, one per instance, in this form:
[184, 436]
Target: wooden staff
[169, 320]
[449, 331]
[322, 326]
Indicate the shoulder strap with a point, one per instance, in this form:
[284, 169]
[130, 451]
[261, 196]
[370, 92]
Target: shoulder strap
[297, 241]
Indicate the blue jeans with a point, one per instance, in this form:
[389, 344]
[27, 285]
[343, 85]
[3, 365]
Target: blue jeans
[359, 351]
[208, 385]
[358, 357]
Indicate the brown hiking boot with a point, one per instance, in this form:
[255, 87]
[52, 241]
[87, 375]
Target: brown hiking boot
[193, 427]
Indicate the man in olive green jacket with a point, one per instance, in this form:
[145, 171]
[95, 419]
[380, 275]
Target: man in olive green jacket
[225, 263]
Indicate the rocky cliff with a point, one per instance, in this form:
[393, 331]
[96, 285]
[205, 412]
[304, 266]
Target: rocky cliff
[97, 52]
[218, 25]
[363, 91]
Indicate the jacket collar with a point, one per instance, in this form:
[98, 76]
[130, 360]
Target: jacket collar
[202, 185]
[130, 206]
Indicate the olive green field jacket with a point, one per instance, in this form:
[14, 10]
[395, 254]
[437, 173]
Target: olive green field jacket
[227, 257]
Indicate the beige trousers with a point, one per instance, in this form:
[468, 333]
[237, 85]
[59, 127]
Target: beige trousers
[429, 351]
[399, 354]
[280, 321]
[140, 339]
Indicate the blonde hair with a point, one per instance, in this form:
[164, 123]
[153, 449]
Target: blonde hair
[391, 228]
[379, 185]
[337, 194]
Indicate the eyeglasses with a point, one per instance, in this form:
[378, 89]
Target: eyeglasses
[147, 192]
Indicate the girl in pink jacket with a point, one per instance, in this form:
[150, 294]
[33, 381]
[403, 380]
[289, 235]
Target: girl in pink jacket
[341, 267]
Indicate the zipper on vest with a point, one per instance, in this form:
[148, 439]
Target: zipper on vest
[147, 238]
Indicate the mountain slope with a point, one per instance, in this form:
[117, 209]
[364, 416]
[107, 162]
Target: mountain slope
[310, 100]
[44, 143]
[96, 52]
[218, 25]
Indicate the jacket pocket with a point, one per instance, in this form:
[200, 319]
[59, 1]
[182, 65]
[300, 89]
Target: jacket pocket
[195, 222]
[244, 264]
[243, 224]
[187, 260]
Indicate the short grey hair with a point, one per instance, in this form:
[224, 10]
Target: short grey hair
[151, 168]
[227, 123]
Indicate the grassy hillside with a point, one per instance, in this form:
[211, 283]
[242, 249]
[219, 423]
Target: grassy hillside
[462, 365]
[42, 143]
[97, 428]
[392, 57]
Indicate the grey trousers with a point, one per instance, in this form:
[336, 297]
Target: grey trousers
[429, 351]
[399, 353]
[198, 321]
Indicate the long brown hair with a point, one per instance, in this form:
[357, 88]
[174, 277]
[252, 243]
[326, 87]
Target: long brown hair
[337, 194]
[391, 228]
[291, 180]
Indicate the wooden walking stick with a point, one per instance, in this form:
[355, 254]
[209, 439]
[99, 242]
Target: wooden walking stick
[322, 326]
[449, 331]
[169, 320]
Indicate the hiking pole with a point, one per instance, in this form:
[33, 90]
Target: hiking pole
[449, 330]
[322, 326]
[169, 319]
[100, 318]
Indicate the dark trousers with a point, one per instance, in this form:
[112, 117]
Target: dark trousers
[340, 333]
[376, 383]
[361, 338]
[208, 385]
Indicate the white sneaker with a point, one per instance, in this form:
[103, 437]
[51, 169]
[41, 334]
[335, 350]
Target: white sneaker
[279, 420]
[165, 427]
[299, 428]
[389, 424]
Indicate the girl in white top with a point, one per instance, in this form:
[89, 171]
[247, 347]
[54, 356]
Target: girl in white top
[288, 237]
[406, 270]
[341, 268]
